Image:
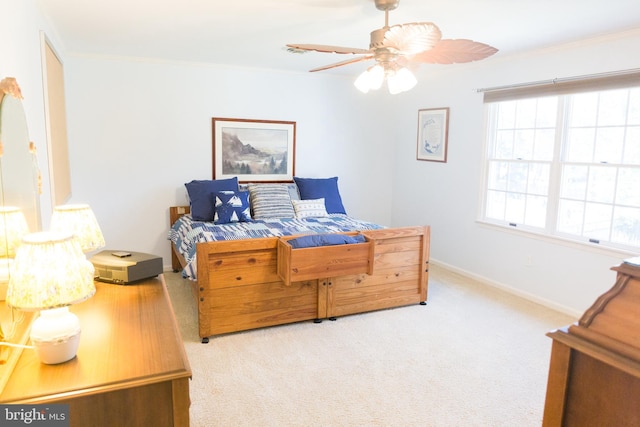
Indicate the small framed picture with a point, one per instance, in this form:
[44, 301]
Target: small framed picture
[254, 150]
[433, 132]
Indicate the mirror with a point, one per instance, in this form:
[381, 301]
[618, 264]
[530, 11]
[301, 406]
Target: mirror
[20, 188]
[19, 174]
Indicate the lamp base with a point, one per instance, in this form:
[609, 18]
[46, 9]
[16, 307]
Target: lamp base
[56, 335]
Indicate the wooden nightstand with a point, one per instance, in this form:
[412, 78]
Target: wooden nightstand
[131, 368]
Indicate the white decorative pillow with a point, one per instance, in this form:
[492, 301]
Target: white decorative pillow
[309, 208]
[270, 201]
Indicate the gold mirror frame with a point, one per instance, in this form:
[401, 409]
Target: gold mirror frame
[20, 186]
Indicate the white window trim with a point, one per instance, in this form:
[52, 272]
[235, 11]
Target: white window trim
[563, 241]
[555, 86]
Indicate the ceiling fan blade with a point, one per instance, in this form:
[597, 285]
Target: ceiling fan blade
[329, 49]
[452, 51]
[347, 62]
[412, 38]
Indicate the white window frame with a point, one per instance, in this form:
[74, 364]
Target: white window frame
[540, 90]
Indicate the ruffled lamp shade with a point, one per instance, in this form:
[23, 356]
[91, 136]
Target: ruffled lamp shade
[79, 220]
[13, 226]
[50, 272]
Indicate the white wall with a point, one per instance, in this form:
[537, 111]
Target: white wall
[139, 130]
[20, 58]
[446, 195]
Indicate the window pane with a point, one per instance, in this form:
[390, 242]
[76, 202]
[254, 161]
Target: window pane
[570, 217]
[626, 226]
[543, 148]
[633, 117]
[580, 145]
[523, 148]
[495, 205]
[498, 175]
[536, 212]
[515, 208]
[584, 109]
[538, 179]
[574, 182]
[504, 145]
[526, 113]
[632, 147]
[507, 115]
[602, 184]
[597, 220]
[609, 144]
[628, 189]
[517, 180]
[547, 112]
[613, 108]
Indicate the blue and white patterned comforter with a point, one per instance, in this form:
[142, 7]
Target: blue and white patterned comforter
[186, 232]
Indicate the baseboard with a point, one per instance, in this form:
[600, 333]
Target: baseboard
[510, 289]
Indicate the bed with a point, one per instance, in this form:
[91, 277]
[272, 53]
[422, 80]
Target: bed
[248, 274]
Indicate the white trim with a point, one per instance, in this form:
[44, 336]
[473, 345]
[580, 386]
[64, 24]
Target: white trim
[511, 290]
[571, 243]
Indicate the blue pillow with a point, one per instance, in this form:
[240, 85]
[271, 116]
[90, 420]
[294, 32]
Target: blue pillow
[322, 188]
[231, 206]
[313, 240]
[200, 193]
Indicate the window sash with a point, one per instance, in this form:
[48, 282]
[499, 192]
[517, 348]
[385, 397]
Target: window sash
[597, 214]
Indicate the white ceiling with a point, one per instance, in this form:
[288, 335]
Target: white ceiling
[253, 33]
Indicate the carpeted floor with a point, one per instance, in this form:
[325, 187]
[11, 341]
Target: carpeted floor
[474, 356]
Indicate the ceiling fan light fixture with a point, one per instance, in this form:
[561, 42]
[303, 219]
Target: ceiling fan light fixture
[363, 82]
[401, 81]
[410, 43]
[376, 76]
[370, 79]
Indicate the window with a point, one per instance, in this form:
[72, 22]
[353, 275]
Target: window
[566, 164]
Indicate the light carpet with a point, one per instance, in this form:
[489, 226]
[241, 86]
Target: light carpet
[473, 356]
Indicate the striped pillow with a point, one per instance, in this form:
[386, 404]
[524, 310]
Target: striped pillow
[309, 208]
[270, 201]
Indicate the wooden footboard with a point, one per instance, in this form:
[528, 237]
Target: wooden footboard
[239, 288]
[400, 274]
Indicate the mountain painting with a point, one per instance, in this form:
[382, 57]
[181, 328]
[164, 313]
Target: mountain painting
[254, 151]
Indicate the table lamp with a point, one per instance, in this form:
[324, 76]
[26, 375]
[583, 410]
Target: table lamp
[79, 220]
[13, 225]
[50, 272]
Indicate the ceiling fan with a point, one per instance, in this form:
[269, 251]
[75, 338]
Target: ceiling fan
[400, 46]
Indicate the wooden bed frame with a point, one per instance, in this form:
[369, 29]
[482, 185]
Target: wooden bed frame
[251, 283]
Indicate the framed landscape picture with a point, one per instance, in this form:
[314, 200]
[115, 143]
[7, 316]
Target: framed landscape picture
[254, 150]
[433, 130]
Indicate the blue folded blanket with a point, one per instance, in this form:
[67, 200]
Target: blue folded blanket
[313, 240]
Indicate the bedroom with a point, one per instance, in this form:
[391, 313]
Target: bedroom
[140, 129]
[129, 119]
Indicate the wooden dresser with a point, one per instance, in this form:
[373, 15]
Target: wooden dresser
[131, 368]
[594, 374]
